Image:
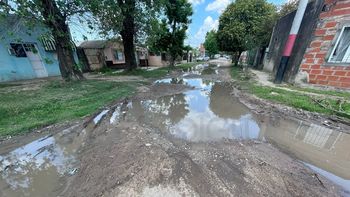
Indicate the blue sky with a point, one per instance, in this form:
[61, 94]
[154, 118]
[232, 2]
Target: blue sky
[206, 17]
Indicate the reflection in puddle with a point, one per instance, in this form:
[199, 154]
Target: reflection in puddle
[336, 179]
[209, 113]
[38, 168]
[98, 118]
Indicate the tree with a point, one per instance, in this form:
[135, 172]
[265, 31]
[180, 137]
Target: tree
[169, 33]
[242, 24]
[211, 43]
[55, 14]
[288, 7]
[127, 18]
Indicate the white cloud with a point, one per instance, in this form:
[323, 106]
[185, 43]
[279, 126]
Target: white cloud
[196, 2]
[208, 25]
[218, 5]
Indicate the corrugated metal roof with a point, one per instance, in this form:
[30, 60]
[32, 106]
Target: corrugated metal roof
[94, 44]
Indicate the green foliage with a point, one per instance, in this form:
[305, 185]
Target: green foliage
[288, 7]
[23, 110]
[245, 24]
[169, 33]
[211, 43]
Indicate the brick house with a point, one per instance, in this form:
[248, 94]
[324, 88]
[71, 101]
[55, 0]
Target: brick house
[322, 48]
[327, 58]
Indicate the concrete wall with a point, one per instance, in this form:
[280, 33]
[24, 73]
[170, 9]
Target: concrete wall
[110, 50]
[18, 68]
[155, 60]
[315, 62]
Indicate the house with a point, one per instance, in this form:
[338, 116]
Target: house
[26, 53]
[158, 59]
[110, 53]
[322, 49]
[201, 50]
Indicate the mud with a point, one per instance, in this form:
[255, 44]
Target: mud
[182, 136]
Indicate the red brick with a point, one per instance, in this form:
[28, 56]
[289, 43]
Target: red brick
[333, 78]
[344, 79]
[309, 55]
[321, 55]
[316, 72]
[348, 74]
[320, 32]
[313, 81]
[340, 12]
[339, 73]
[331, 24]
[345, 85]
[322, 82]
[316, 66]
[327, 72]
[334, 83]
[312, 77]
[321, 77]
[310, 60]
[315, 50]
[328, 37]
[305, 66]
[320, 61]
[316, 44]
[342, 6]
[339, 68]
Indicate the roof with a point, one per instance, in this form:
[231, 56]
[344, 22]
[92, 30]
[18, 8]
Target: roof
[93, 44]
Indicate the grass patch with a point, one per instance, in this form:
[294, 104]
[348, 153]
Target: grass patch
[290, 98]
[155, 73]
[22, 111]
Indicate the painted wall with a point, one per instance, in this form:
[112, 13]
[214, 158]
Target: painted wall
[18, 68]
[315, 62]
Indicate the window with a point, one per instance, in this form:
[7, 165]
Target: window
[119, 55]
[341, 50]
[18, 50]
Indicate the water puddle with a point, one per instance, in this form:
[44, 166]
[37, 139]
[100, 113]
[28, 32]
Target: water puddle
[210, 113]
[40, 167]
[206, 113]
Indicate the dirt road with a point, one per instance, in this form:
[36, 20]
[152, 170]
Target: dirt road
[185, 135]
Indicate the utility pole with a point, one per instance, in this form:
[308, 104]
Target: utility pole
[288, 48]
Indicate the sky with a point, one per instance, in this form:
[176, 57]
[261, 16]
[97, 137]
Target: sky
[205, 17]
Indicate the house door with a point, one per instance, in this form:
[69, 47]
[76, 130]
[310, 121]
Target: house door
[35, 59]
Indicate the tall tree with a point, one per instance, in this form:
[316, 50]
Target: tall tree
[211, 43]
[242, 24]
[55, 14]
[126, 18]
[288, 7]
[169, 33]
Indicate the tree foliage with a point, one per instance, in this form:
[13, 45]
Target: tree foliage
[211, 43]
[244, 25]
[169, 32]
[288, 7]
[128, 19]
[55, 14]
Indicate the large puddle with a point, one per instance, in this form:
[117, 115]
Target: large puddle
[206, 113]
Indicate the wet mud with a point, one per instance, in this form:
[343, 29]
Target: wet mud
[182, 136]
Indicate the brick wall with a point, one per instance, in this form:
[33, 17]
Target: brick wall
[335, 14]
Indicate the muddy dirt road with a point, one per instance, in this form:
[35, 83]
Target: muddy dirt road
[185, 135]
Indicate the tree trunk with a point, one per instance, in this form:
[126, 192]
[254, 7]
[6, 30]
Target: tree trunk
[57, 23]
[128, 33]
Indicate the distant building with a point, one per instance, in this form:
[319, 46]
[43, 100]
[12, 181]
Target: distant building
[322, 49]
[26, 53]
[201, 50]
[110, 53]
